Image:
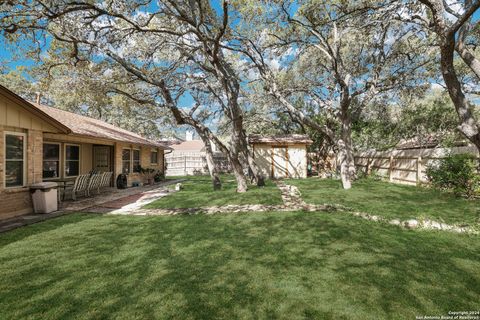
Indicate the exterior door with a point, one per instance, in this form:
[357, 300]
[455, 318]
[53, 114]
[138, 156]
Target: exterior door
[279, 162]
[102, 158]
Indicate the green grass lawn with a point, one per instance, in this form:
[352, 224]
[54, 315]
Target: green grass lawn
[290, 265]
[391, 200]
[198, 192]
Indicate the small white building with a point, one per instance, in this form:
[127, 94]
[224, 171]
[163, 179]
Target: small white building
[281, 156]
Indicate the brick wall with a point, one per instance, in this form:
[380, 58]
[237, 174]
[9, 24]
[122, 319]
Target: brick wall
[34, 156]
[17, 201]
[144, 161]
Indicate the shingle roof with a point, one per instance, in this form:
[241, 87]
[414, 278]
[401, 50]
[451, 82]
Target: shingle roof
[426, 142]
[86, 126]
[191, 146]
[280, 139]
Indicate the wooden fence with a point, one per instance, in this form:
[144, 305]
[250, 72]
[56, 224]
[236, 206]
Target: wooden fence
[183, 164]
[404, 166]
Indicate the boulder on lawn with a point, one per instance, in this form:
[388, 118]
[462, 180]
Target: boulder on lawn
[178, 186]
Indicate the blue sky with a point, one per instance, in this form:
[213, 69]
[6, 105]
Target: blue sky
[8, 60]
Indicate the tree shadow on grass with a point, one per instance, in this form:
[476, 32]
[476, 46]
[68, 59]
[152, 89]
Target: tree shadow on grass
[271, 265]
[43, 226]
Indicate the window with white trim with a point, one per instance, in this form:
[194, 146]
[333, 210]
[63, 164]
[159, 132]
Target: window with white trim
[131, 161]
[72, 160]
[154, 156]
[126, 161]
[51, 160]
[15, 160]
[136, 160]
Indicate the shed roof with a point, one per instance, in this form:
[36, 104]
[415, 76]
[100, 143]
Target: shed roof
[279, 139]
[90, 127]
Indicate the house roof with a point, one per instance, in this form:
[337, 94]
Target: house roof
[72, 123]
[279, 139]
[418, 143]
[29, 107]
[426, 142]
[190, 146]
[90, 127]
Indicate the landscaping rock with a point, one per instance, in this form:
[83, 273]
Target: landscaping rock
[178, 186]
[395, 222]
[430, 224]
[411, 224]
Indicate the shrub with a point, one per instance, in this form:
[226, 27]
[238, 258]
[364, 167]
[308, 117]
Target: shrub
[456, 173]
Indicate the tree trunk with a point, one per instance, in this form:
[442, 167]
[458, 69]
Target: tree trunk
[212, 167]
[468, 124]
[348, 171]
[242, 184]
[250, 161]
[342, 159]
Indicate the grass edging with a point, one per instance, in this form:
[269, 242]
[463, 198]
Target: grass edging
[422, 223]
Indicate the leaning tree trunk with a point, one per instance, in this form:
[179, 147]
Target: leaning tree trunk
[212, 167]
[242, 183]
[250, 161]
[468, 124]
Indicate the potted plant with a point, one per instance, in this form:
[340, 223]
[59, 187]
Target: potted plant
[148, 174]
[159, 176]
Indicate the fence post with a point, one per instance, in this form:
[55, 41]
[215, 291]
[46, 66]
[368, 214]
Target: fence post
[419, 170]
[390, 169]
[185, 164]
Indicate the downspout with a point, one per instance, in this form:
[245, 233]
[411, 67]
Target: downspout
[165, 162]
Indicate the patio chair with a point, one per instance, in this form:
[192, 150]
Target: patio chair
[94, 183]
[80, 185]
[106, 178]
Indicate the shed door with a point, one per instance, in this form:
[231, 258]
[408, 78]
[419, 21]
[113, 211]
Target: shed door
[280, 162]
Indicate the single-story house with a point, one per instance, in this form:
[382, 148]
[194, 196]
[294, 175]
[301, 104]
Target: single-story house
[281, 156]
[41, 143]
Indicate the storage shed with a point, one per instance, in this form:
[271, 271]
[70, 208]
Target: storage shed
[281, 156]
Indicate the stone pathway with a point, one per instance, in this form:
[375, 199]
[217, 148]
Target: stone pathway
[291, 198]
[292, 201]
[131, 202]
